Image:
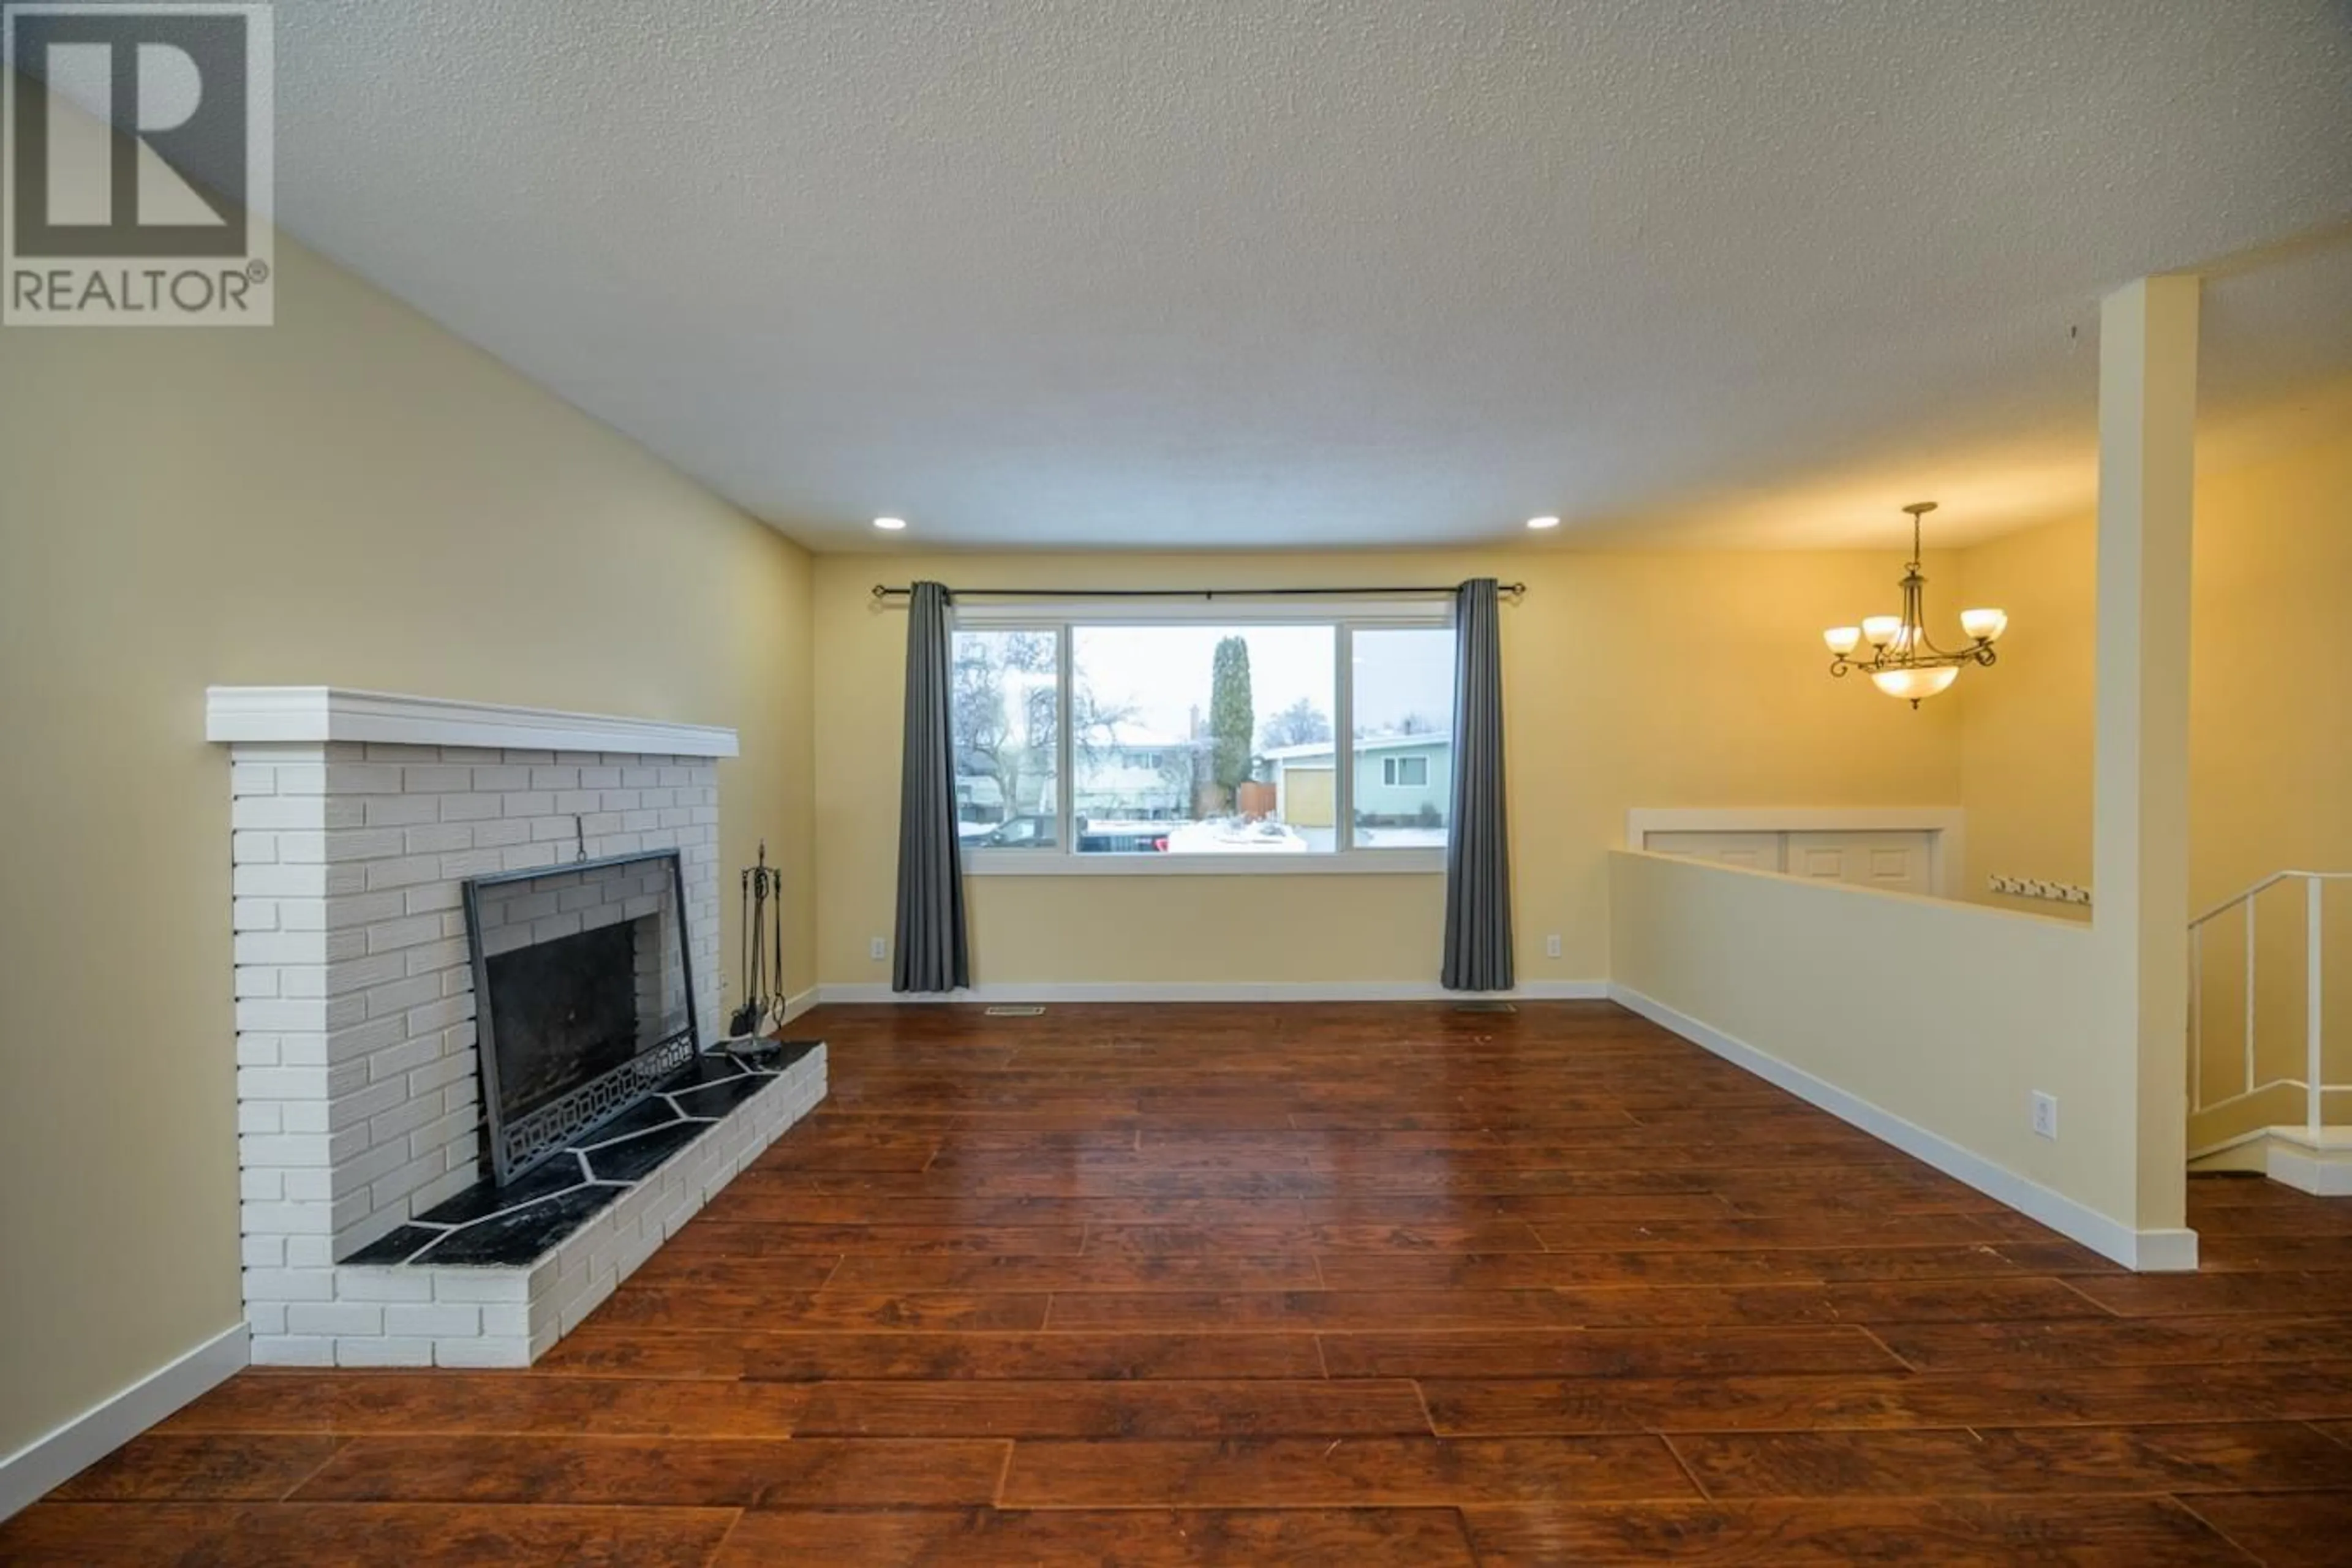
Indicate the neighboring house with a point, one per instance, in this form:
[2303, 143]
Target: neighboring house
[1398, 779]
[980, 796]
[1134, 773]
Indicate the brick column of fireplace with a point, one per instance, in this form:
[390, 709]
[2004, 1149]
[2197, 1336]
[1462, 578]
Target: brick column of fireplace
[358, 1085]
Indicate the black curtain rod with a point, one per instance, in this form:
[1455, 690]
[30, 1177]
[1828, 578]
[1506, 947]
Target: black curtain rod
[883, 591]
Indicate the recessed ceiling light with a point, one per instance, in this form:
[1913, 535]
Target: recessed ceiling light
[1543, 522]
[889, 524]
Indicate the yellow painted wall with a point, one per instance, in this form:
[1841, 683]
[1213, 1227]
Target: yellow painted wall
[353, 497]
[2026, 722]
[2270, 737]
[1661, 679]
[1827, 978]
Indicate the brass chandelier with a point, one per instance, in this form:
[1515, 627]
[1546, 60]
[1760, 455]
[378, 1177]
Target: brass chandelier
[1902, 662]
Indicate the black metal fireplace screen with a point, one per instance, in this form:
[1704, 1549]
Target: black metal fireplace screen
[583, 996]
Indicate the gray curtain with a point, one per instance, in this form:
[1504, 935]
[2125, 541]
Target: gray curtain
[1479, 852]
[930, 952]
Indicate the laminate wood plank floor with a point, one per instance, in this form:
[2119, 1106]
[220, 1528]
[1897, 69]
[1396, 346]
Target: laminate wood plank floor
[1363, 1286]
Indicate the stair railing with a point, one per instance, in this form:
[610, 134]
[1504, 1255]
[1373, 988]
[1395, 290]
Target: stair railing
[2313, 1082]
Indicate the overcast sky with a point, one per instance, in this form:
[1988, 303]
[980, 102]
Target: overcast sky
[1165, 671]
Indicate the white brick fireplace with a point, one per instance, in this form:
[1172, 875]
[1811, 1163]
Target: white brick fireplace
[355, 818]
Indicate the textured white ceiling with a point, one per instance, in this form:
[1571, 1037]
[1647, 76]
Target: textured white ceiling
[1334, 272]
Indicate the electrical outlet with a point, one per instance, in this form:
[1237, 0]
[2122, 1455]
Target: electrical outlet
[879, 949]
[2046, 1114]
[1551, 945]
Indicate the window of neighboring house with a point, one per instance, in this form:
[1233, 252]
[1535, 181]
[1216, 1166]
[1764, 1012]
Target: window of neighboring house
[1006, 721]
[1408, 772]
[1181, 738]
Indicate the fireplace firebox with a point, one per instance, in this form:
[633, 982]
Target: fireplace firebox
[584, 997]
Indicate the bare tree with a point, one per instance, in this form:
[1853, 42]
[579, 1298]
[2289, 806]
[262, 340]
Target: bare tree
[1182, 768]
[992, 740]
[1093, 724]
[1300, 724]
[1411, 724]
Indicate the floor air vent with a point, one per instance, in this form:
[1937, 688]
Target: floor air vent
[1024, 1012]
[1485, 1007]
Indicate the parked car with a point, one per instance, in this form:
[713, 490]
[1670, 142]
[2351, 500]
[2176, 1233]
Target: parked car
[1115, 836]
[1095, 837]
[1018, 833]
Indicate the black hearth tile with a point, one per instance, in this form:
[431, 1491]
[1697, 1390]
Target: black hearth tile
[398, 1246]
[705, 1068]
[642, 1117]
[718, 1098]
[483, 1199]
[520, 1234]
[788, 1052]
[767, 1055]
[640, 1156]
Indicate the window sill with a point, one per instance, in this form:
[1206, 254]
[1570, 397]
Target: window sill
[1358, 862]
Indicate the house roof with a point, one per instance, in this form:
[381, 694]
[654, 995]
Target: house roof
[1363, 744]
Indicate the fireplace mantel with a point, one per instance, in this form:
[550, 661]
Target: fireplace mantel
[296, 713]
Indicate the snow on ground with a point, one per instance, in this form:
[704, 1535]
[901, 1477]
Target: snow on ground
[1227, 836]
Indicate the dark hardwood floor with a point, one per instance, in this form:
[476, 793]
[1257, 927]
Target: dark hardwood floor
[1345, 1285]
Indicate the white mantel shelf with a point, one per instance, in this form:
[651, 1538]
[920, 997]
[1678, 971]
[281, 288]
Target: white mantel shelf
[337, 713]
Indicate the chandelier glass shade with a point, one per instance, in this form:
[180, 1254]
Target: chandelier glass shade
[1899, 657]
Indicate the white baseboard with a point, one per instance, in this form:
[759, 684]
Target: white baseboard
[2291, 1157]
[2305, 1175]
[1220, 990]
[49, 1462]
[2155, 1251]
[2150, 1251]
[800, 1003]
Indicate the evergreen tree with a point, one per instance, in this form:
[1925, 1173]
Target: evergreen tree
[1233, 716]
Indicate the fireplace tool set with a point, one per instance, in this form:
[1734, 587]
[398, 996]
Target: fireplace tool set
[762, 1015]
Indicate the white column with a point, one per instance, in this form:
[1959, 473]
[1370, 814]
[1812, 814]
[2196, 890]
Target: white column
[2147, 418]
